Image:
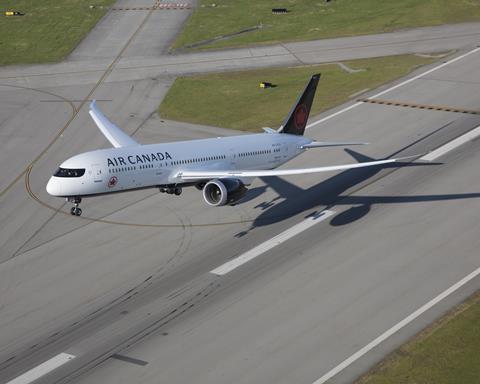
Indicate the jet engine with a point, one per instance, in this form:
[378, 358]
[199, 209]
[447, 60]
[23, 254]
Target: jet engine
[221, 192]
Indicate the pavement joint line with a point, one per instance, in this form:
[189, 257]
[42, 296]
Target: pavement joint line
[59, 133]
[451, 145]
[42, 369]
[442, 108]
[309, 222]
[129, 359]
[408, 81]
[293, 54]
[391, 331]
[390, 43]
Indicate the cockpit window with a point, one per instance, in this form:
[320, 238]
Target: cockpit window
[68, 172]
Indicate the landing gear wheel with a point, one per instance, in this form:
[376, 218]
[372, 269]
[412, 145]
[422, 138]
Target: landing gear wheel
[170, 190]
[75, 211]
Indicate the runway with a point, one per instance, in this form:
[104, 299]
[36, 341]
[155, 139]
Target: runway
[134, 280]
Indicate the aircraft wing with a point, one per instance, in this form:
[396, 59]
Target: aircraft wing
[231, 174]
[114, 135]
[322, 144]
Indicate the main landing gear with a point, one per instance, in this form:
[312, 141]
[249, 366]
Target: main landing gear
[171, 190]
[75, 210]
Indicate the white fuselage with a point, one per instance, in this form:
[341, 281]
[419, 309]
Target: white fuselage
[120, 169]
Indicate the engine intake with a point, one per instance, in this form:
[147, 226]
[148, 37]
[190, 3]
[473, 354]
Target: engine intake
[221, 192]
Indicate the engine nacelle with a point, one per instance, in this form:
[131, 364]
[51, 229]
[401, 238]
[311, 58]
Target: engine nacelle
[221, 192]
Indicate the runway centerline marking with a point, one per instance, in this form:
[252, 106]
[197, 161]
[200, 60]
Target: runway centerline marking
[408, 81]
[42, 369]
[407, 320]
[451, 145]
[272, 243]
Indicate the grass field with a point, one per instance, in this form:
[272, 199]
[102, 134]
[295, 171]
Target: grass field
[448, 352]
[49, 30]
[235, 100]
[316, 19]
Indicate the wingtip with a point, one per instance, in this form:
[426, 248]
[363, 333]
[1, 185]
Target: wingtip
[93, 104]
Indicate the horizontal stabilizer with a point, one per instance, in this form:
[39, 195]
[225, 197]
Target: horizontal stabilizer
[206, 175]
[114, 135]
[321, 144]
[269, 130]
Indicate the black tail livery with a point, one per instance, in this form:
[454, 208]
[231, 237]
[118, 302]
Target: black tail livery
[297, 119]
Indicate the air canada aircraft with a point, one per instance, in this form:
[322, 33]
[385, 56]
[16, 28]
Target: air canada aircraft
[221, 168]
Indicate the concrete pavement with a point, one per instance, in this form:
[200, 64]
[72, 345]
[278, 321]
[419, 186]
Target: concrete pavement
[91, 288]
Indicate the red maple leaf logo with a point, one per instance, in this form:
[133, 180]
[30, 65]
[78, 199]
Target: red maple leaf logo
[112, 182]
[301, 116]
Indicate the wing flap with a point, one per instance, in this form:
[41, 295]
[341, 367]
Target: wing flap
[114, 134]
[201, 175]
[322, 144]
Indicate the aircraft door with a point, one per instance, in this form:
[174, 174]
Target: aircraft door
[284, 150]
[97, 173]
[233, 158]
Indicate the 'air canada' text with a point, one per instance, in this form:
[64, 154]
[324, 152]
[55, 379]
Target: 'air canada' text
[138, 159]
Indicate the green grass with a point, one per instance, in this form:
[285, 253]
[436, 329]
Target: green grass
[316, 19]
[446, 353]
[49, 31]
[235, 100]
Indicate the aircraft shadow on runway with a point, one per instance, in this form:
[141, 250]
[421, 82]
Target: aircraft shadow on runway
[294, 200]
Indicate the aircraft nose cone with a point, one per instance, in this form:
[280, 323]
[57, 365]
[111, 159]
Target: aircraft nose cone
[54, 187]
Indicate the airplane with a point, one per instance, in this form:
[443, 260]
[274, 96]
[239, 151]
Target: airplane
[222, 168]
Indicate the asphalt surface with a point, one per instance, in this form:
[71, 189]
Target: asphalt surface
[138, 283]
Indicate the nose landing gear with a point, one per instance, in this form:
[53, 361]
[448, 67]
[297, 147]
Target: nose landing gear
[75, 210]
[171, 190]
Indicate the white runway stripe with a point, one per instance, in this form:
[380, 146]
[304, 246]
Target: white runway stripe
[429, 157]
[395, 87]
[452, 145]
[42, 369]
[273, 242]
[344, 364]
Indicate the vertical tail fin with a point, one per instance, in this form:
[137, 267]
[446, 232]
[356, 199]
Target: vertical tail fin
[296, 121]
